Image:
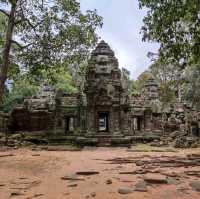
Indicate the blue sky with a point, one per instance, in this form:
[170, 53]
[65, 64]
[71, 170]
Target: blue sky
[121, 29]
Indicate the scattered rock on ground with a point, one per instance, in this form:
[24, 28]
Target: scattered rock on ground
[72, 185]
[155, 179]
[13, 194]
[173, 181]
[2, 185]
[5, 155]
[195, 185]
[93, 194]
[141, 186]
[72, 178]
[62, 148]
[109, 181]
[183, 189]
[124, 190]
[193, 173]
[35, 154]
[139, 163]
[35, 196]
[87, 173]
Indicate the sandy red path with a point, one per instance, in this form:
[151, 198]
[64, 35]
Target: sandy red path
[40, 176]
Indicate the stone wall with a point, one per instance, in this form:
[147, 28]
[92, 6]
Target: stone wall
[4, 122]
[26, 120]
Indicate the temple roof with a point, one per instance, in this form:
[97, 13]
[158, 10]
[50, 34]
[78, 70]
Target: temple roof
[151, 81]
[102, 49]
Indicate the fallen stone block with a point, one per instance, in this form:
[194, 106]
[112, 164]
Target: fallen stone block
[5, 155]
[155, 179]
[124, 190]
[87, 173]
[195, 185]
[72, 178]
[141, 186]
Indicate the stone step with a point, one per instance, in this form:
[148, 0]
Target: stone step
[104, 144]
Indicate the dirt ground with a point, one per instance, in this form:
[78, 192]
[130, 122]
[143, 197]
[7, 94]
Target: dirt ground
[27, 174]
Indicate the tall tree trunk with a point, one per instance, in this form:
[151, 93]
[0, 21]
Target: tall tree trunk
[6, 52]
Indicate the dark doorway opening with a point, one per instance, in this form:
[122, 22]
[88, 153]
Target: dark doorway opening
[103, 122]
[69, 124]
[139, 123]
[67, 121]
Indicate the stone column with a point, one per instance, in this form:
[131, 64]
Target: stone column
[91, 120]
[148, 121]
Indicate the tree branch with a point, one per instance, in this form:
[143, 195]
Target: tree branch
[29, 23]
[17, 22]
[18, 44]
[21, 46]
[4, 12]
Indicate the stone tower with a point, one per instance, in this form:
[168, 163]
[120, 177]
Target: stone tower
[150, 89]
[106, 106]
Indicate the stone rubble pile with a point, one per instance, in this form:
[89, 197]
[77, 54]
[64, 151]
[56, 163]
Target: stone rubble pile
[177, 139]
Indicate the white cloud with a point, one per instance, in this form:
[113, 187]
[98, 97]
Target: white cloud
[122, 23]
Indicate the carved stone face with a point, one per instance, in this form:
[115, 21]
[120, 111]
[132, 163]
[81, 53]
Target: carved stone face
[102, 58]
[103, 64]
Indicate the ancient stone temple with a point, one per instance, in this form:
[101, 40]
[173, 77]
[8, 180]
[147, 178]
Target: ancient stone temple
[103, 112]
[107, 100]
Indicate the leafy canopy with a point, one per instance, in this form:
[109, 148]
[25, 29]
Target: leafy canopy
[49, 32]
[175, 24]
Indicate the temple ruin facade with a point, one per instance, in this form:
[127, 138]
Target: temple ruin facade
[104, 110]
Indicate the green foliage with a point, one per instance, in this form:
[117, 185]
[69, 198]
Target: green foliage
[54, 32]
[27, 86]
[48, 34]
[138, 84]
[13, 70]
[60, 79]
[134, 91]
[2, 32]
[20, 89]
[176, 26]
[167, 94]
[3, 22]
[168, 77]
[191, 85]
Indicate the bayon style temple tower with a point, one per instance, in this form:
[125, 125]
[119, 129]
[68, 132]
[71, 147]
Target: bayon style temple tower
[107, 100]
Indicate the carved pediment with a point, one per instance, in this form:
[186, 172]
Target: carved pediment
[102, 98]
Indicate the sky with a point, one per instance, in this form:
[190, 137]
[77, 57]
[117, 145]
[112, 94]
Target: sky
[121, 30]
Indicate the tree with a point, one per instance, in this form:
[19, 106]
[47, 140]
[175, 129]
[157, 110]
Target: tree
[60, 78]
[138, 84]
[25, 86]
[42, 33]
[191, 85]
[169, 80]
[176, 26]
[19, 89]
[3, 22]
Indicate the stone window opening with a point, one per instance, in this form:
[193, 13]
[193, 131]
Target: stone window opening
[103, 125]
[138, 123]
[69, 124]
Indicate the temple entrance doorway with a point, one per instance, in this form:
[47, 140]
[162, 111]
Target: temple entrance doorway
[103, 125]
[69, 124]
[139, 123]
